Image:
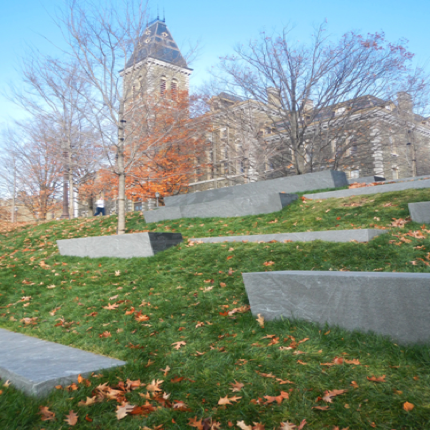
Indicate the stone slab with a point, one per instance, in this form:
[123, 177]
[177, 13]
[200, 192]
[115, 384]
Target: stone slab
[362, 235]
[391, 304]
[288, 184]
[232, 207]
[386, 188]
[420, 212]
[36, 366]
[119, 246]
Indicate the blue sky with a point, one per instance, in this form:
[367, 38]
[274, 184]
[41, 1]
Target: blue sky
[219, 25]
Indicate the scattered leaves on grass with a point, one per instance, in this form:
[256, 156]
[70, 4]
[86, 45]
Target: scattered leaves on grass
[227, 401]
[179, 344]
[328, 395]
[236, 386]
[376, 379]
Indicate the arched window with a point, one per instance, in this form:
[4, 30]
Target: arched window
[162, 85]
[174, 89]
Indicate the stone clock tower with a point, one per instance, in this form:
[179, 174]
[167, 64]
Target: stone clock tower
[156, 65]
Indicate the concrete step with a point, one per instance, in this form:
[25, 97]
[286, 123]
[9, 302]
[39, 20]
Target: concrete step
[420, 212]
[288, 184]
[36, 366]
[390, 304]
[360, 235]
[387, 188]
[229, 207]
[119, 246]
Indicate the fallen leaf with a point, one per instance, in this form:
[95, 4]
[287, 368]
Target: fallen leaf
[71, 419]
[408, 406]
[268, 263]
[237, 386]
[243, 426]
[123, 410]
[260, 320]
[46, 414]
[375, 379]
[328, 395]
[89, 401]
[111, 306]
[154, 385]
[179, 344]
[227, 401]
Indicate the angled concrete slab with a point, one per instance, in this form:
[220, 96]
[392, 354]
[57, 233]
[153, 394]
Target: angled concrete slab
[385, 188]
[119, 246]
[363, 235]
[391, 304]
[36, 366]
[288, 185]
[420, 212]
[230, 207]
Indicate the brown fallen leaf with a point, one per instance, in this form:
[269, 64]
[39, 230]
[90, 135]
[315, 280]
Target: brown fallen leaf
[166, 370]
[243, 426]
[194, 422]
[111, 306]
[105, 334]
[46, 414]
[268, 263]
[373, 378]
[179, 344]
[328, 395]
[71, 419]
[408, 406]
[123, 410]
[89, 401]
[227, 401]
[154, 385]
[237, 386]
[260, 320]
[320, 408]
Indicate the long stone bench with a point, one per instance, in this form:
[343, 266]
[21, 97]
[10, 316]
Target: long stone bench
[288, 184]
[232, 207]
[386, 188]
[420, 212]
[392, 304]
[119, 246]
[361, 235]
[36, 366]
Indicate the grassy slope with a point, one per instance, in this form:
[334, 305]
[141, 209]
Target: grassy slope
[176, 282]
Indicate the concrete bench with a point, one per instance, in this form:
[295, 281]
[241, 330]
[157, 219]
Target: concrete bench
[391, 304]
[36, 366]
[360, 235]
[232, 207]
[420, 212]
[119, 246]
[288, 184]
[386, 188]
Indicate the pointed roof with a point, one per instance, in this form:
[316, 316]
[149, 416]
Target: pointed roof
[158, 43]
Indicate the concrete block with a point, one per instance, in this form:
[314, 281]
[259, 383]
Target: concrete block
[232, 207]
[391, 304]
[36, 366]
[420, 212]
[288, 184]
[385, 188]
[119, 246]
[362, 235]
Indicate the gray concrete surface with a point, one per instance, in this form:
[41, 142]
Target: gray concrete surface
[289, 185]
[398, 186]
[420, 212]
[36, 366]
[232, 207]
[391, 304]
[122, 246]
[363, 235]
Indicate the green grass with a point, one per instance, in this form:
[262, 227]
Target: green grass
[173, 282]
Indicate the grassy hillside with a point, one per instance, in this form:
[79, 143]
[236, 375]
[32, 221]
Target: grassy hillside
[139, 309]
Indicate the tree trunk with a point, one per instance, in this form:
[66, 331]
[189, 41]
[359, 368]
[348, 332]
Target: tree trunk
[71, 188]
[121, 193]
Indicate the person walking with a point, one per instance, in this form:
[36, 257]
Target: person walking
[100, 207]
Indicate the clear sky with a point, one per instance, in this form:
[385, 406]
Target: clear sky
[219, 25]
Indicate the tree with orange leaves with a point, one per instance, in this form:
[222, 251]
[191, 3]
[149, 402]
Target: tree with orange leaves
[167, 149]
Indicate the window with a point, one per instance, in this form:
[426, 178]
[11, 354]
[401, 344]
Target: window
[163, 86]
[174, 89]
[340, 111]
[353, 150]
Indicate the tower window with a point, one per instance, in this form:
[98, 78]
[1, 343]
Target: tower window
[174, 89]
[163, 86]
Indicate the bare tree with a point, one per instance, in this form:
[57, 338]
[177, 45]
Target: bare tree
[54, 90]
[314, 102]
[106, 40]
